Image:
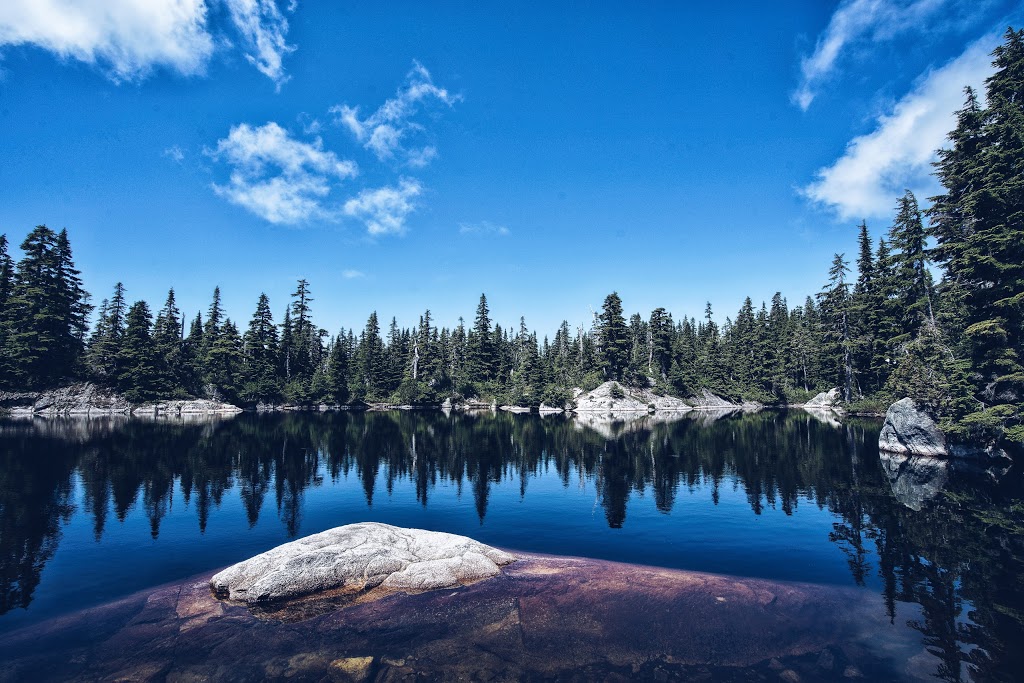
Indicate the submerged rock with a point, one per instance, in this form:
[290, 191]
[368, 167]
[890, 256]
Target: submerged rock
[356, 558]
[909, 430]
[542, 618]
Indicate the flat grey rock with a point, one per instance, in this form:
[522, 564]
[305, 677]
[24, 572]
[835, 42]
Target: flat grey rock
[359, 557]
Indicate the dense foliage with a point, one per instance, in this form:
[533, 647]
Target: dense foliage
[891, 331]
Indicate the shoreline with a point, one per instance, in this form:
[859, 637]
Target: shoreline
[543, 616]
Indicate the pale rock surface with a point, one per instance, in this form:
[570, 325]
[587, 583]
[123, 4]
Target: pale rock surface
[189, 407]
[909, 430]
[825, 399]
[634, 400]
[708, 400]
[84, 398]
[358, 557]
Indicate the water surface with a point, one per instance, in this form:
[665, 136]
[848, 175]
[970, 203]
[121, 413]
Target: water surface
[94, 509]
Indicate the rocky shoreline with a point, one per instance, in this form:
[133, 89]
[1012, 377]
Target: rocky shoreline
[86, 399]
[539, 617]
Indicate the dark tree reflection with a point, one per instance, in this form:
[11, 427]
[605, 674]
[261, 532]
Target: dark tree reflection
[957, 554]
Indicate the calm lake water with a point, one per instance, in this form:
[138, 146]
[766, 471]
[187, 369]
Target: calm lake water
[91, 510]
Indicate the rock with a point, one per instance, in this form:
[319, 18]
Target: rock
[632, 400]
[515, 409]
[914, 479]
[83, 398]
[356, 558]
[545, 409]
[190, 407]
[356, 667]
[446, 404]
[910, 431]
[825, 399]
[707, 400]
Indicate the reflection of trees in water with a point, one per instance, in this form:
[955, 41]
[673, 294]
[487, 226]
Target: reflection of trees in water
[959, 557]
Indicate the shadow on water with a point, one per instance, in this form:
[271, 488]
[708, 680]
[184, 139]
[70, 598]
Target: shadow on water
[952, 545]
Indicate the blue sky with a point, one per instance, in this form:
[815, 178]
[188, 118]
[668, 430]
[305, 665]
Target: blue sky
[413, 155]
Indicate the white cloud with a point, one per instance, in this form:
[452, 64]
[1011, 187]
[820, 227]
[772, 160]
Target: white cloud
[350, 274]
[128, 39]
[483, 228]
[264, 29]
[385, 209]
[875, 168]
[277, 177]
[874, 21]
[174, 153]
[385, 131]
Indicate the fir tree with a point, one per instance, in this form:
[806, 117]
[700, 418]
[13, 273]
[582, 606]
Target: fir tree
[613, 338]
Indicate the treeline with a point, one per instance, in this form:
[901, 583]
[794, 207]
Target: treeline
[888, 331]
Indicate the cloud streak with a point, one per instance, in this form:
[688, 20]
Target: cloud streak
[264, 30]
[874, 21]
[898, 153]
[128, 39]
[276, 177]
[386, 131]
[383, 210]
[483, 228]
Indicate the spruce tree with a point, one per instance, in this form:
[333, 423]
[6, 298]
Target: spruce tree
[613, 338]
[481, 354]
[140, 377]
[260, 378]
[978, 224]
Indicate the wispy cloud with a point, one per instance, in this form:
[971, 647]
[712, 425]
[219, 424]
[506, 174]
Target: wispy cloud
[383, 210]
[874, 21]
[483, 228]
[875, 168]
[128, 39]
[386, 131]
[264, 30]
[350, 274]
[175, 154]
[276, 177]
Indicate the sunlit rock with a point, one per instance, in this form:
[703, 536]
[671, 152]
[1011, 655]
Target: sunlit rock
[356, 558]
[915, 479]
[825, 399]
[911, 431]
[612, 397]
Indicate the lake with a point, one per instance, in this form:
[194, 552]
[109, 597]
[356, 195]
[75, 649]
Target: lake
[95, 509]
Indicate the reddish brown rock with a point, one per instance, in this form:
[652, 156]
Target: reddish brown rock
[542, 617]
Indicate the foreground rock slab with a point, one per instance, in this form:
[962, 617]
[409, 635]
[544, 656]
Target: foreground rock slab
[356, 558]
[541, 618]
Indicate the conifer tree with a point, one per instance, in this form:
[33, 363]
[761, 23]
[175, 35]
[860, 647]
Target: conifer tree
[260, 379]
[613, 338]
[140, 377]
[835, 313]
[481, 355]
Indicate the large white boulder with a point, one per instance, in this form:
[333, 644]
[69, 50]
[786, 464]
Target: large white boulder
[911, 431]
[356, 558]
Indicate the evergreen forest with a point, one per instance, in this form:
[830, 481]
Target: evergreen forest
[933, 308]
